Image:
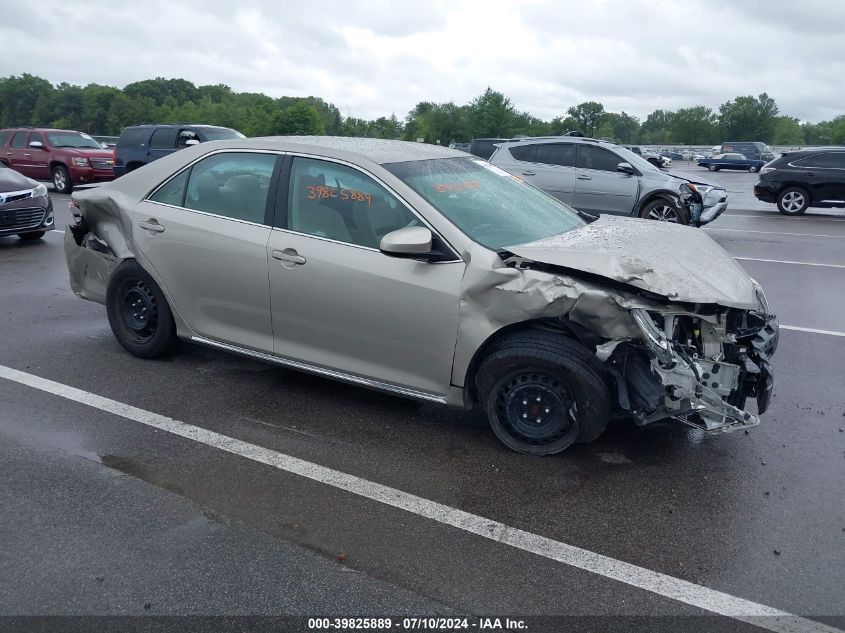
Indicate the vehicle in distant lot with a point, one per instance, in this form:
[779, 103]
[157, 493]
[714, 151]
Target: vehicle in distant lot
[484, 147]
[653, 157]
[142, 144]
[672, 155]
[464, 147]
[106, 141]
[25, 208]
[756, 150]
[66, 157]
[599, 177]
[803, 179]
[731, 161]
[431, 274]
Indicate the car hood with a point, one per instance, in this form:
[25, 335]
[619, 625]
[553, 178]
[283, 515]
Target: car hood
[687, 179]
[10, 180]
[88, 152]
[680, 263]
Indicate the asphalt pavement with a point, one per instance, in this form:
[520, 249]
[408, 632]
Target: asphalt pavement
[108, 511]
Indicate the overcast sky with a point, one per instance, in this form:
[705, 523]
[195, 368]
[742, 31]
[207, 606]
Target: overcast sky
[384, 56]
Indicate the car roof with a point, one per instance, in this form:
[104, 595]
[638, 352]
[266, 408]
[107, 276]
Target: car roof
[558, 139]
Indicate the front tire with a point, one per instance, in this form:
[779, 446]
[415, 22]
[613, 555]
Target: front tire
[61, 179]
[543, 392]
[793, 201]
[753, 169]
[664, 210]
[31, 237]
[139, 315]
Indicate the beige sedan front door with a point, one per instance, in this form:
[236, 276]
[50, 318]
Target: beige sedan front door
[340, 304]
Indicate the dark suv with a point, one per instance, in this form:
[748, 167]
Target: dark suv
[809, 178]
[142, 144]
[64, 156]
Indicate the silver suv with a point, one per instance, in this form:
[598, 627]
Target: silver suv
[599, 177]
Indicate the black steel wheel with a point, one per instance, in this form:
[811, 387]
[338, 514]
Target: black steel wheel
[138, 312]
[543, 392]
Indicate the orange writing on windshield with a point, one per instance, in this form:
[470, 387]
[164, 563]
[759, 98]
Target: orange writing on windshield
[321, 191]
[456, 186]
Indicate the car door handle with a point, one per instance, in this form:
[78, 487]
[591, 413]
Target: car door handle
[584, 178]
[529, 173]
[152, 225]
[289, 255]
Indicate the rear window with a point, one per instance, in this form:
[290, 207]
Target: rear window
[134, 136]
[484, 149]
[4, 134]
[559, 154]
[219, 133]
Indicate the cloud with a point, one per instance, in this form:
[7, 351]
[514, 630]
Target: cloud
[384, 56]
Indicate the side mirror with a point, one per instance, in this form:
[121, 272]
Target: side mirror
[36, 145]
[191, 141]
[625, 168]
[408, 242]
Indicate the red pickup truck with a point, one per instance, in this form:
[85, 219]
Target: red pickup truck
[65, 157]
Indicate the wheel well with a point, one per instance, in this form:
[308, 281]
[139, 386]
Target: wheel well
[56, 163]
[796, 185]
[564, 327]
[655, 195]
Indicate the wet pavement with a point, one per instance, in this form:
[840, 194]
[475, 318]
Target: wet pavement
[105, 515]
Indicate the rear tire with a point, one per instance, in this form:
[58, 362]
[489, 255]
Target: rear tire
[543, 392]
[139, 315]
[753, 169]
[31, 237]
[712, 168]
[793, 201]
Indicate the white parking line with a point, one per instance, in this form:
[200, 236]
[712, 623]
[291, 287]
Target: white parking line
[661, 584]
[770, 216]
[812, 330]
[714, 228]
[784, 261]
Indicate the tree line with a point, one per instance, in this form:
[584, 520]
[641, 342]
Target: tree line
[106, 110]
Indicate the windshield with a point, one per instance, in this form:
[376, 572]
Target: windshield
[490, 205]
[221, 133]
[635, 159]
[72, 139]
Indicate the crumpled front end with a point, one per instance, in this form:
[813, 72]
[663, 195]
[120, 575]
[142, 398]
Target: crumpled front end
[699, 369]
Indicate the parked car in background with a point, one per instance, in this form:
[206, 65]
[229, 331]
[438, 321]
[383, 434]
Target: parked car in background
[653, 157]
[142, 144]
[464, 147]
[25, 208]
[65, 157]
[484, 147]
[598, 177]
[755, 150]
[428, 273]
[731, 161]
[107, 141]
[672, 155]
[808, 178]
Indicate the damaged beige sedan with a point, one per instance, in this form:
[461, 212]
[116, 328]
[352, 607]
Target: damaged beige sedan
[428, 273]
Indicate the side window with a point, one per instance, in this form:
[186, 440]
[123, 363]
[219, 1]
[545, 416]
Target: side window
[185, 136]
[173, 192]
[561, 154]
[36, 136]
[19, 140]
[829, 160]
[591, 157]
[525, 153]
[163, 138]
[341, 203]
[231, 184]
